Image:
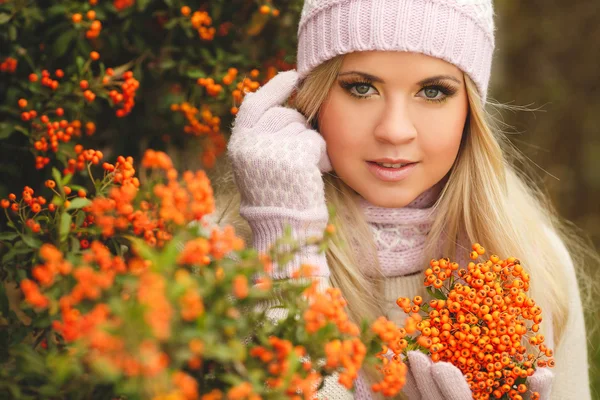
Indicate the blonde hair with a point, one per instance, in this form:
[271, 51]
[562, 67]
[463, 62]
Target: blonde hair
[486, 199]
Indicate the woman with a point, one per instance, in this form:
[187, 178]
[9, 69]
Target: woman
[388, 125]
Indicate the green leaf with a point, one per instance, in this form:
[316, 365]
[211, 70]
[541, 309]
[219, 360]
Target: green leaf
[57, 9]
[32, 242]
[167, 64]
[66, 179]
[79, 219]
[80, 62]
[63, 43]
[171, 24]
[6, 130]
[21, 129]
[65, 226]
[195, 73]
[8, 235]
[208, 57]
[4, 18]
[12, 33]
[57, 178]
[79, 203]
[142, 4]
[436, 293]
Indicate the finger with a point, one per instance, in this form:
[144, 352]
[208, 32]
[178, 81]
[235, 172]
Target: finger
[541, 382]
[276, 118]
[451, 381]
[420, 365]
[410, 388]
[273, 93]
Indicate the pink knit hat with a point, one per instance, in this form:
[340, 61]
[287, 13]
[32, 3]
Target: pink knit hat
[460, 32]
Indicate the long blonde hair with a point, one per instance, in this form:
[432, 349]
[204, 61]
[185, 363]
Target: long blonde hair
[486, 199]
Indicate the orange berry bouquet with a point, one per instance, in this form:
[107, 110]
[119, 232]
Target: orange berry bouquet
[482, 321]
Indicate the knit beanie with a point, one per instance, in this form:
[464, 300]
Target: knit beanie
[460, 32]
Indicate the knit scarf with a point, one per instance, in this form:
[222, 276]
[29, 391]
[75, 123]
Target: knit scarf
[400, 233]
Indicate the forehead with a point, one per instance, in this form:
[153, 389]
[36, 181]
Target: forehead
[397, 64]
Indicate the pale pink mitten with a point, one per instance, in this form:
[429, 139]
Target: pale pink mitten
[443, 381]
[278, 161]
[541, 382]
[427, 380]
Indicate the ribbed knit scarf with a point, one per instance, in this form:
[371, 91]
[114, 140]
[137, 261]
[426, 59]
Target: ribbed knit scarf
[400, 233]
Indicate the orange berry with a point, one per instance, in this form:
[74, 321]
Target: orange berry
[185, 11]
[33, 77]
[95, 56]
[265, 9]
[81, 193]
[84, 84]
[22, 103]
[76, 18]
[60, 112]
[91, 15]
[275, 13]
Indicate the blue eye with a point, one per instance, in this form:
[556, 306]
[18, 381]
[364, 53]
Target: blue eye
[358, 89]
[443, 91]
[433, 92]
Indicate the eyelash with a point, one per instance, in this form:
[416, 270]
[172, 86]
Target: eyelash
[443, 87]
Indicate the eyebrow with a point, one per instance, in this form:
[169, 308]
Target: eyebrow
[420, 83]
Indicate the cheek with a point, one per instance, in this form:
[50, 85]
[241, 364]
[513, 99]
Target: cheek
[341, 126]
[440, 140]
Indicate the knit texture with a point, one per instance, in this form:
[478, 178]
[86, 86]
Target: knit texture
[400, 233]
[460, 32]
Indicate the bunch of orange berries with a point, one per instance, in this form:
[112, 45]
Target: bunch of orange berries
[84, 157]
[202, 22]
[123, 4]
[34, 204]
[276, 357]
[208, 123]
[125, 99]
[394, 369]
[266, 9]
[209, 126]
[9, 65]
[244, 86]
[212, 89]
[478, 322]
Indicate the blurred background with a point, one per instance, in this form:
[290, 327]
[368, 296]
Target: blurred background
[546, 59]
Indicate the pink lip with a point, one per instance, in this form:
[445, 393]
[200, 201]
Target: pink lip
[392, 161]
[390, 174]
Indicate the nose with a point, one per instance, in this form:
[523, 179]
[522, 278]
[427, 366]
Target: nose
[396, 125]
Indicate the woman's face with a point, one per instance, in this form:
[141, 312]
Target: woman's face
[395, 105]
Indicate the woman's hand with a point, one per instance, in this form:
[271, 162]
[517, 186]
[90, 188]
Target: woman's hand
[278, 161]
[427, 380]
